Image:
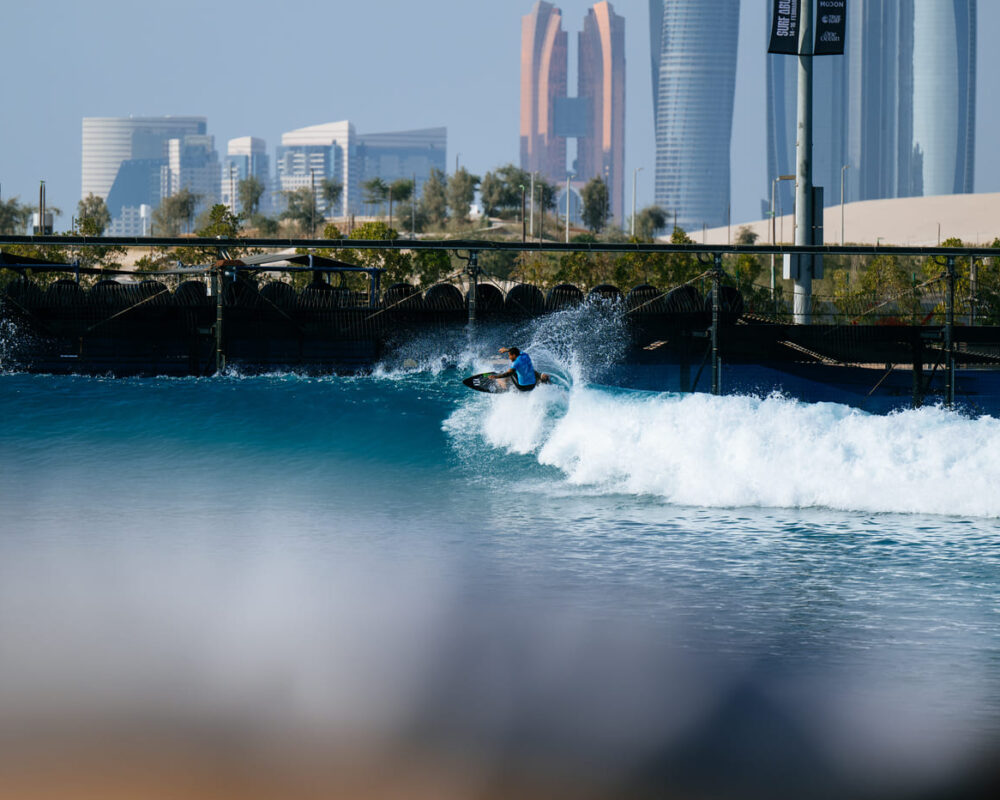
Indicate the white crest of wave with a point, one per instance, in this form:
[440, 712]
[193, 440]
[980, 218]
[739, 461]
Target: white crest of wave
[744, 451]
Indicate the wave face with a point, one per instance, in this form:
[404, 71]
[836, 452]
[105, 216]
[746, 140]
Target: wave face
[708, 451]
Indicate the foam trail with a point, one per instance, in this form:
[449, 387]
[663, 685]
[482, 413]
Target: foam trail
[743, 451]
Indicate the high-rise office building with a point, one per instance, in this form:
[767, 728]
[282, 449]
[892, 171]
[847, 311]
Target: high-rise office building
[601, 150]
[595, 118]
[335, 150]
[400, 155]
[897, 110]
[543, 82]
[694, 78]
[245, 157]
[310, 155]
[123, 162]
[192, 164]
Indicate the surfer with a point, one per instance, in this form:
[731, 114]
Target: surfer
[522, 371]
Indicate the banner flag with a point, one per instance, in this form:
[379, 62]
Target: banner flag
[831, 25]
[785, 28]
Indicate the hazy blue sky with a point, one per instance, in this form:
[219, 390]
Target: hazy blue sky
[261, 68]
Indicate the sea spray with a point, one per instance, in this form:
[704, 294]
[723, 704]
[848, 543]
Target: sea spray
[729, 452]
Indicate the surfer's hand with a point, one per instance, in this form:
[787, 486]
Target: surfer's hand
[502, 350]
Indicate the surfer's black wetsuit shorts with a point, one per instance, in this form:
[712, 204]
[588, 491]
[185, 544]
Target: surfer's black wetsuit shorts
[526, 388]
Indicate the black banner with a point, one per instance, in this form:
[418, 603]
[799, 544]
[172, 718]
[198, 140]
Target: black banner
[831, 25]
[785, 28]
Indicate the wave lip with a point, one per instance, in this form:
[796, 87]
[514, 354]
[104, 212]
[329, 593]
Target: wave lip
[728, 452]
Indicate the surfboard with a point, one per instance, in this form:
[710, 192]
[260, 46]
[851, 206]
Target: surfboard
[483, 382]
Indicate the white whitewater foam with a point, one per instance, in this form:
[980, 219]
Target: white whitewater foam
[744, 451]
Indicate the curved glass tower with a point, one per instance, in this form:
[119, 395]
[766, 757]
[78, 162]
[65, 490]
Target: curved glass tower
[898, 107]
[694, 77]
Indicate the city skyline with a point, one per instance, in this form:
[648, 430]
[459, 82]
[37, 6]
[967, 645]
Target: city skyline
[470, 86]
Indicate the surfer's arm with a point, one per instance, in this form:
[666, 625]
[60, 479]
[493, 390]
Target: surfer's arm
[506, 374]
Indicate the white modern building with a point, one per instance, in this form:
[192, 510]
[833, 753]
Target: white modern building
[307, 156]
[693, 50]
[126, 161]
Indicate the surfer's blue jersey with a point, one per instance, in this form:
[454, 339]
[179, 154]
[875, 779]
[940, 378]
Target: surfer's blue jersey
[524, 370]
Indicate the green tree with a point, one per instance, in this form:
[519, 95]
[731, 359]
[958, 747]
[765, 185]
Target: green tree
[374, 191]
[461, 192]
[219, 221]
[302, 209]
[596, 204]
[249, 191]
[431, 266]
[401, 190]
[175, 212]
[397, 264]
[433, 198]
[649, 222]
[331, 191]
[491, 190]
[14, 217]
[92, 215]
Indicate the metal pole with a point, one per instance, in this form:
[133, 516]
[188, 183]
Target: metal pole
[312, 203]
[532, 223]
[473, 272]
[716, 285]
[524, 222]
[635, 175]
[567, 208]
[803, 174]
[843, 169]
[217, 284]
[949, 334]
[413, 208]
[773, 223]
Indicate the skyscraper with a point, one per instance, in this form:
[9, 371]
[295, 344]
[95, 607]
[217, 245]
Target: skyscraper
[898, 106]
[601, 151]
[123, 162]
[595, 118]
[694, 78]
[543, 82]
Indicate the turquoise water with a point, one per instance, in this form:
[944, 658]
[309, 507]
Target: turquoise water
[585, 572]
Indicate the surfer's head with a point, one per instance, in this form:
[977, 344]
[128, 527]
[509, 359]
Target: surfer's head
[512, 353]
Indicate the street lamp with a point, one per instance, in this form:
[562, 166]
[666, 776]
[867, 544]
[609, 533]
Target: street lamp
[843, 169]
[635, 174]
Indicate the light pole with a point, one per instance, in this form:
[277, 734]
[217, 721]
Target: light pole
[456, 162]
[567, 207]
[635, 174]
[524, 222]
[843, 169]
[774, 183]
[531, 224]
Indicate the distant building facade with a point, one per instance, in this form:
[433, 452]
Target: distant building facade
[125, 162]
[693, 54]
[898, 107]
[245, 157]
[335, 150]
[595, 118]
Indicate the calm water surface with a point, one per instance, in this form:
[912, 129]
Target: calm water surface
[611, 572]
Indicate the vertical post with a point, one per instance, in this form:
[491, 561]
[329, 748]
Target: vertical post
[532, 224]
[524, 222]
[716, 285]
[635, 175]
[473, 272]
[217, 287]
[567, 208]
[413, 208]
[312, 203]
[803, 172]
[949, 334]
[843, 169]
[918, 370]
[973, 289]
